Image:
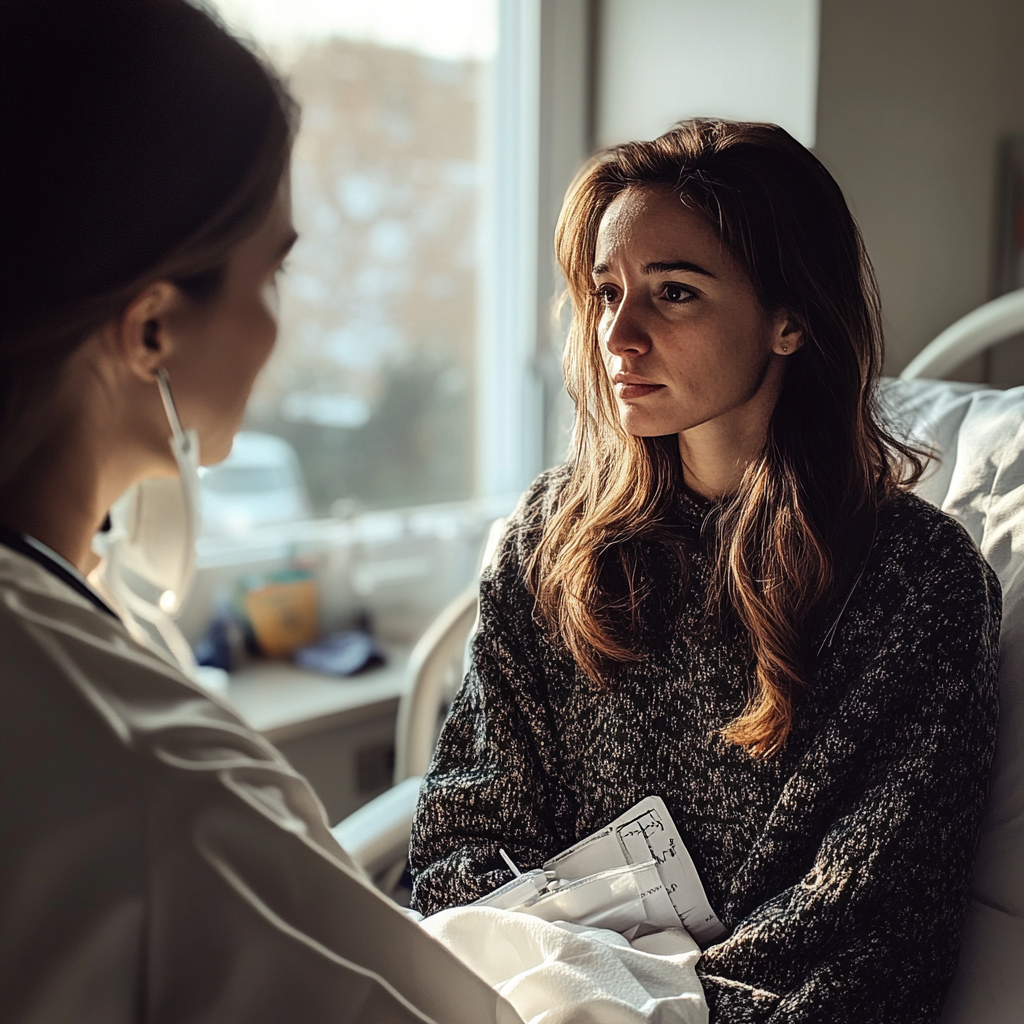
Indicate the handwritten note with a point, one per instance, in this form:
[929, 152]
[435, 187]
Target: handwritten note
[646, 831]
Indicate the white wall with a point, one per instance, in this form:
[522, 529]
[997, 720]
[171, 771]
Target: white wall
[913, 97]
[660, 61]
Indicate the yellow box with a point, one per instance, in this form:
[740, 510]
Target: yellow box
[284, 616]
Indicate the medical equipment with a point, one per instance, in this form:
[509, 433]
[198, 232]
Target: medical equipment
[54, 564]
[621, 899]
[153, 533]
[525, 886]
[635, 872]
[972, 334]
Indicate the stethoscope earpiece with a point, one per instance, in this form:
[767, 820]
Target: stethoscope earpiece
[179, 436]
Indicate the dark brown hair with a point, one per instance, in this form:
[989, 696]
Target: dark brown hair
[785, 540]
[141, 142]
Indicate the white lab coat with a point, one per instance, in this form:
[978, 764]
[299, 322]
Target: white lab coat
[160, 861]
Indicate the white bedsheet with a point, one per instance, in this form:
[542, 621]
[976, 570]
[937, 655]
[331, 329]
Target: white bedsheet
[568, 974]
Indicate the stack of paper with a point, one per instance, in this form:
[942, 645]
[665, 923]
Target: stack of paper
[635, 874]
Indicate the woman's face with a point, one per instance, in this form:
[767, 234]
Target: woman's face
[684, 338]
[221, 345]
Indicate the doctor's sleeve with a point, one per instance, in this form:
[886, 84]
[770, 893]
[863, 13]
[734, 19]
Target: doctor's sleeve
[258, 920]
[161, 862]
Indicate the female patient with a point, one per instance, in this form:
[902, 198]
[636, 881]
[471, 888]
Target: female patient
[728, 597]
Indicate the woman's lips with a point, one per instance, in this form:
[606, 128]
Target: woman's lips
[626, 391]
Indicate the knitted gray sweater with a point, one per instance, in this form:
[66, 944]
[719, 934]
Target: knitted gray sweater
[841, 865]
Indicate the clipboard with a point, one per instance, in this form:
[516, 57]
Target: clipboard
[646, 832]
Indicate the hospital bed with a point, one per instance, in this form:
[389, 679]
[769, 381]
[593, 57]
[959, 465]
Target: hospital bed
[978, 434]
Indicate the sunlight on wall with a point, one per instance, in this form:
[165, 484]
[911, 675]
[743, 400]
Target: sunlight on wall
[660, 61]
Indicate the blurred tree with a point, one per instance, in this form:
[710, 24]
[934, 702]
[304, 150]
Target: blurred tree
[372, 381]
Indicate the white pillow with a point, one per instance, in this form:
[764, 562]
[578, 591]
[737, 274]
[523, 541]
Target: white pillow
[979, 435]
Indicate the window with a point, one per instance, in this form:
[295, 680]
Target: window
[374, 384]
[408, 400]
[416, 388]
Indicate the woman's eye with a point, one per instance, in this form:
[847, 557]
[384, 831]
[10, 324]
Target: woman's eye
[606, 293]
[676, 293]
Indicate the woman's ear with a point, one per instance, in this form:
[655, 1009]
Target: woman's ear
[140, 338]
[787, 334]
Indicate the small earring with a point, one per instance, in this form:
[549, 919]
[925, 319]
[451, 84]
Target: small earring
[784, 348]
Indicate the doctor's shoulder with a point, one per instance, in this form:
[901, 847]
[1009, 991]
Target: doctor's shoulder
[98, 674]
[72, 677]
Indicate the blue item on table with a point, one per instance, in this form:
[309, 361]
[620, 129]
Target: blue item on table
[216, 648]
[340, 654]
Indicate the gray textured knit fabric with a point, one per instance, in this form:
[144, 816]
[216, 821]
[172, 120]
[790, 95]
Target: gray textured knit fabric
[841, 865]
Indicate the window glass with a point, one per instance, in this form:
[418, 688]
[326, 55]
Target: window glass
[372, 384]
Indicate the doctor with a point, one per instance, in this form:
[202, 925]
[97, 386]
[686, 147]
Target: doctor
[159, 861]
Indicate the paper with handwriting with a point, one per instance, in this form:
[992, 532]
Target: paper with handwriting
[645, 832]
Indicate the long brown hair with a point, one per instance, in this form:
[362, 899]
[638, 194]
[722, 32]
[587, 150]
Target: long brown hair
[784, 541]
[141, 142]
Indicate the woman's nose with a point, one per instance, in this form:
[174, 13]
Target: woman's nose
[624, 333]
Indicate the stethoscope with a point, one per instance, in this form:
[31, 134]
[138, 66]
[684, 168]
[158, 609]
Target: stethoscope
[49, 560]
